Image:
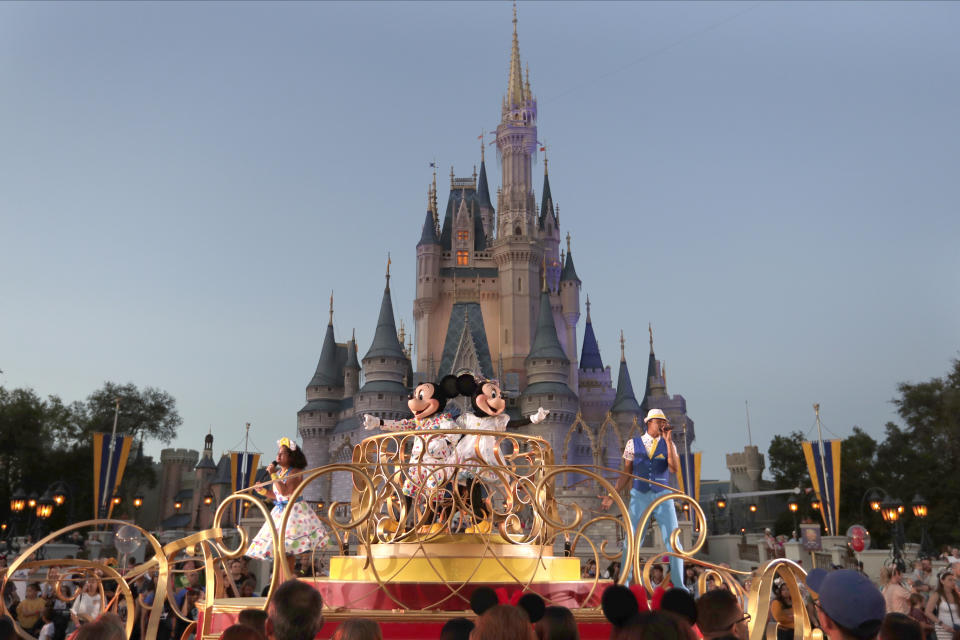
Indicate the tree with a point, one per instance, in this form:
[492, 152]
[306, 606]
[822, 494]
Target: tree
[150, 414]
[786, 461]
[920, 456]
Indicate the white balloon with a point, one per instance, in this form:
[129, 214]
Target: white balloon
[127, 539]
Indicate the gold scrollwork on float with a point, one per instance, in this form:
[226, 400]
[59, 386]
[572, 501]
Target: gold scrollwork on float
[527, 521]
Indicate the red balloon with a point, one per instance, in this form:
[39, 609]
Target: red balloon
[857, 544]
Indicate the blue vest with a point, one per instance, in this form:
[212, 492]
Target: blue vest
[654, 468]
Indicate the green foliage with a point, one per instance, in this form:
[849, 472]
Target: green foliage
[786, 463]
[42, 441]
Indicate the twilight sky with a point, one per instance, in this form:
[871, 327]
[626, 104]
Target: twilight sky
[772, 185]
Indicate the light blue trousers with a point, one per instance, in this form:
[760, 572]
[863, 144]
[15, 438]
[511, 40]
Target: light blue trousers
[666, 516]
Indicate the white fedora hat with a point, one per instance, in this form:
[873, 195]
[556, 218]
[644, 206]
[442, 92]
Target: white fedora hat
[653, 414]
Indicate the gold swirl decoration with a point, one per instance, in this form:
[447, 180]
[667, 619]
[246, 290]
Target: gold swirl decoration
[408, 517]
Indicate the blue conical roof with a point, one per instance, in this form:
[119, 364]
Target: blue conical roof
[385, 341]
[625, 401]
[651, 372]
[569, 273]
[429, 233]
[483, 190]
[545, 341]
[590, 354]
[546, 203]
[328, 371]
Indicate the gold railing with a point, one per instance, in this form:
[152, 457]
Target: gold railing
[524, 510]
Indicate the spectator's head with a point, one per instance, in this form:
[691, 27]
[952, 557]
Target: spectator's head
[916, 601]
[255, 618]
[457, 629]
[946, 581]
[925, 564]
[100, 630]
[533, 605]
[680, 602]
[557, 623]
[619, 605]
[955, 568]
[719, 614]
[653, 625]
[247, 588]
[115, 620]
[656, 573]
[241, 632]
[358, 629]
[295, 612]
[503, 622]
[898, 626]
[482, 599]
[33, 590]
[848, 604]
[782, 593]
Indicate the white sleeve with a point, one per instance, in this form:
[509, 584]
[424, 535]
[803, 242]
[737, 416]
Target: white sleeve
[628, 450]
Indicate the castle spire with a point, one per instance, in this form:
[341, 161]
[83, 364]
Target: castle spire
[590, 354]
[388, 271]
[515, 95]
[650, 329]
[626, 401]
[569, 272]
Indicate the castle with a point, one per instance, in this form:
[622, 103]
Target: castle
[496, 295]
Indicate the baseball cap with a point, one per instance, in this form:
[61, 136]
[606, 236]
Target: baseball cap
[850, 599]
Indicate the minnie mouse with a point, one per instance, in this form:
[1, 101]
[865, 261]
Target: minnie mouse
[489, 408]
[434, 467]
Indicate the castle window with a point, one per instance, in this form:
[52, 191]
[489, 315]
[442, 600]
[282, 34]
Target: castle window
[463, 258]
[549, 397]
[463, 236]
[329, 415]
[379, 396]
[516, 231]
[506, 335]
[519, 284]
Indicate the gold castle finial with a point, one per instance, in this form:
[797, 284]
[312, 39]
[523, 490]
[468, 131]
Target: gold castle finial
[353, 337]
[588, 307]
[451, 176]
[331, 307]
[650, 329]
[568, 243]
[483, 143]
[401, 335]
[515, 96]
[545, 171]
[388, 270]
[623, 355]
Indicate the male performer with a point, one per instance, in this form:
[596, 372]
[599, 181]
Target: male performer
[656, 459]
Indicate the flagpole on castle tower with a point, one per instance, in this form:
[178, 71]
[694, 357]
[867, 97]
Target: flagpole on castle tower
[243, 456]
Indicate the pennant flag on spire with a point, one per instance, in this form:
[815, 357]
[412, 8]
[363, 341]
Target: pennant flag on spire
[243, 470]
[825, 473]
[108, 467]
[689, 476]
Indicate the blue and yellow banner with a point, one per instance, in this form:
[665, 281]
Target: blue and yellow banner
[243, 470]
[108, 470]
[689, 476]
[825, 473]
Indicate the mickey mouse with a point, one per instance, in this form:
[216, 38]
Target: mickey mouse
[434, 467]
[489, 414]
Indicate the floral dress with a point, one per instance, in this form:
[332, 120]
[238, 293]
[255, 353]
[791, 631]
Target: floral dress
[440, 450]
[470, 445]
[305, 532]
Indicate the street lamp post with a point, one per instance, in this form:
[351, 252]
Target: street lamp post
[793, 505]
[920, 511]
[719, 505]
[891, 510]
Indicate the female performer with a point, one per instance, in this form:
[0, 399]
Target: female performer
[304, 531]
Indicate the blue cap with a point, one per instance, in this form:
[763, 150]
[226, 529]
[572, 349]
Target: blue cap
[849, 598]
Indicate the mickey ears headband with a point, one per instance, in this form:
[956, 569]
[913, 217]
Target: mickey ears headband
[288, 443]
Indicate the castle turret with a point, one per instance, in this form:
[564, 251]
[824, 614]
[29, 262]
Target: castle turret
[625, 407]
[483, 197]
[675, 406]
[516, 252]
[570, 308]
[384, 367]
[429, 255]
[351, 370]
[202, 517]
[318, 417]
[596, 389]
[548, 375]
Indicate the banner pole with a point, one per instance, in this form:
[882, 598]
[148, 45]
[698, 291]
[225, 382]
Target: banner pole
[825, 502]
[113, 436]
